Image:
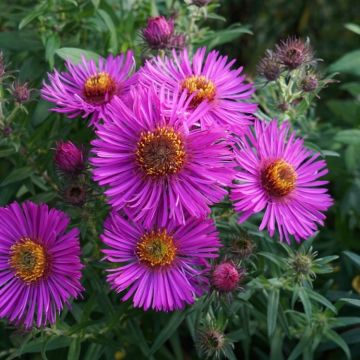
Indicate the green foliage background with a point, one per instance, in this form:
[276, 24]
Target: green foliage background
[273, 318]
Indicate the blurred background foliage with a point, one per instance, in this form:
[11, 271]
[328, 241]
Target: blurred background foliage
[35, 36]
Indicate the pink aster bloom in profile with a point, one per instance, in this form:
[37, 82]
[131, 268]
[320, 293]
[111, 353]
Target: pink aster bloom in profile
[155, 163]
[40, 265]
[87, 88]
[161, 267]
[209, 78]
[279, 175]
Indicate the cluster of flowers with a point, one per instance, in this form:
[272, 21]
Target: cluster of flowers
[289, 55]
[171, 140]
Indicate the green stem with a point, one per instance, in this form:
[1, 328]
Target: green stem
[12, 114]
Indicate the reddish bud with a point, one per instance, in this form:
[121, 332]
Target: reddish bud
[68, 157]
[269, 67]
[309, 83]
[20, 92]
[294, 52]
[158, 32]
[226, 277]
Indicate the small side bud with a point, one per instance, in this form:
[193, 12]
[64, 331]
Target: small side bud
[20, 92]
[309, 83]
[200, 3]
[74, 194]
[269, 67]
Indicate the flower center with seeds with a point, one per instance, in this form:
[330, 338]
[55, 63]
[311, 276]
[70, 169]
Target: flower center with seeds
[99, 88]
[156, 248]
[29, 260]
[160, 152]
[278, 178]
[203, 88]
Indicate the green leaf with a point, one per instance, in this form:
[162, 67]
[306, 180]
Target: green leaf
[304, 297]
[75, 54]
[52, 44]
[17, 175]
[272, 310]
[349, 63]
[32, 15]
[354, 302]
[336, 338]
[304, 342]
[276, 346]
[217, 38]
[350, 136]
[20, 40]
[353, 27]
[352, 87]
[113, 48]
[175, 321]
[355, 258]
[74, 349]
[322, 300]
[6, 152]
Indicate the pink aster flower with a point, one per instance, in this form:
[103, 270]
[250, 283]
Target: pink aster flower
[156, 164]
[40, 265]
[279, 175]
[209, 78]
[161, 267]
[87, 89]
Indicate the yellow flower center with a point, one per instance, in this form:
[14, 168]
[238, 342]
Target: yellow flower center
[160, 152]
[99, 88]
[156, 248]
[203, 88]
[29, 260]
[278, 178]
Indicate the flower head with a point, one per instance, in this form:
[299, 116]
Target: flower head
[20, 92]
[294, 52]
[88, 88]
[226, 277]
[269, 67]
[69, 158]
[40, 265]
[279, 175]
[206, 79]
[75, 194]
[158, 32]
[309, 83]
[211, 341]
[156, 164]
[160, 267]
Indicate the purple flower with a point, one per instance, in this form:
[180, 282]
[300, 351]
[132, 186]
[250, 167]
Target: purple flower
[209, 79]
[87, 89]
[279, 175]
[158, 32]
[161, 267]
[68, 157]
[156, 163]
[40, 265]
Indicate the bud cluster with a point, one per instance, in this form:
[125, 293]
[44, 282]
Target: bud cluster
[70, 162]
[289, 55]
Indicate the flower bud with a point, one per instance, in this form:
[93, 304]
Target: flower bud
[309, 83]
[242, 245]
[177, 42]
[20, 92]
[158, 32]
[226, 277]
[74, 194]
[68, 157]
[200, 3]
[294, 52]
[269, 67]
